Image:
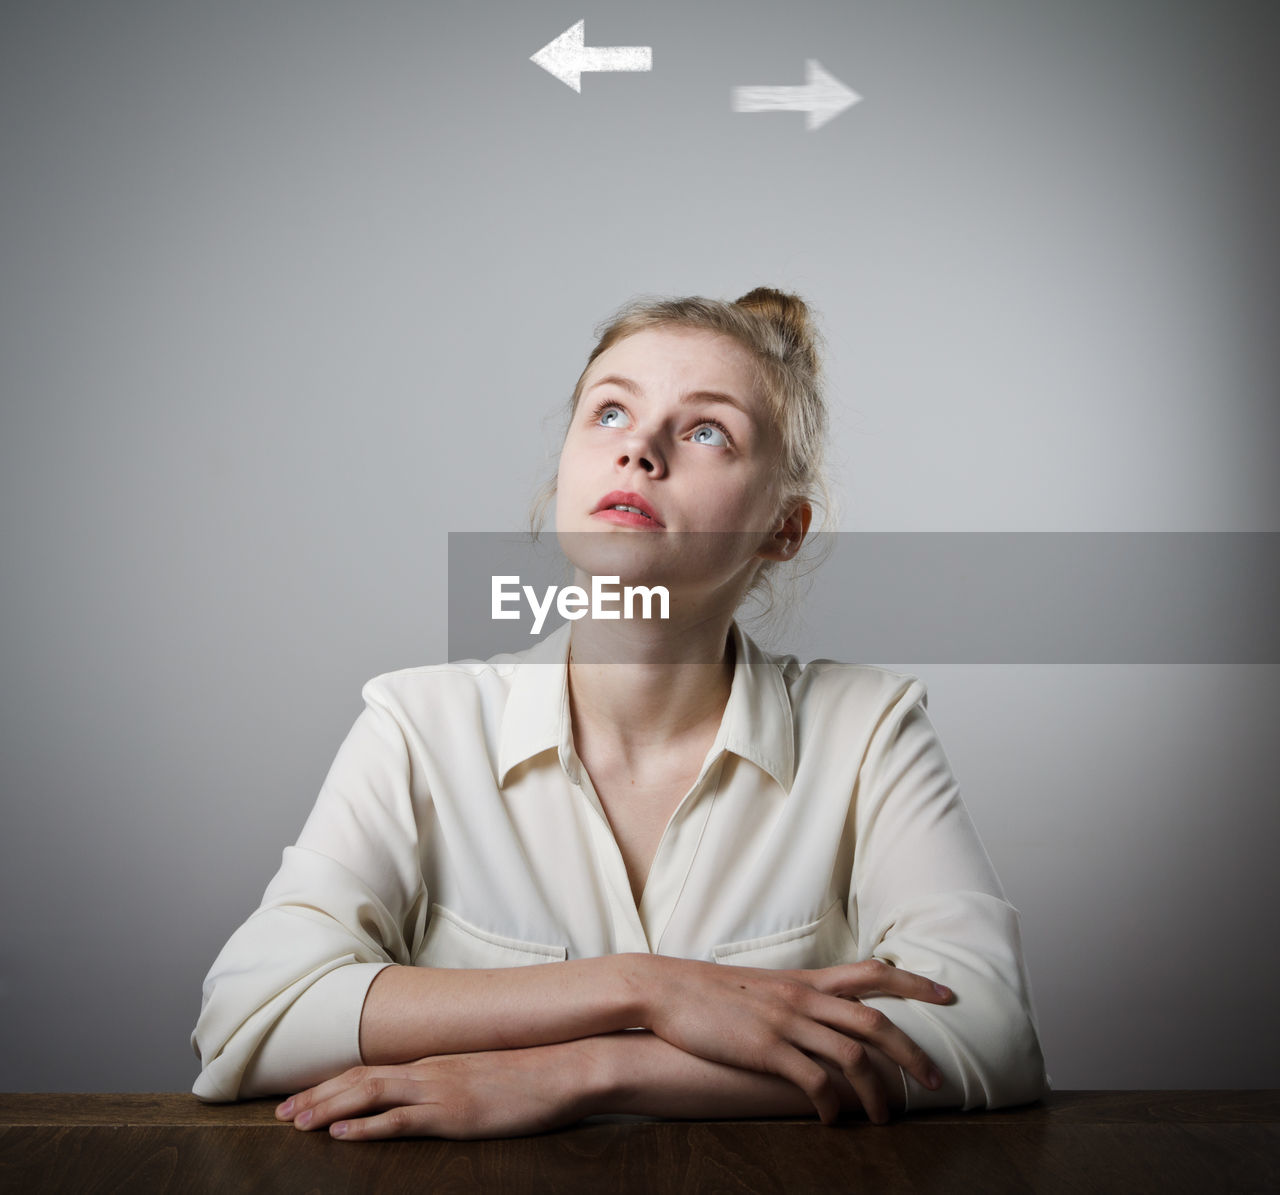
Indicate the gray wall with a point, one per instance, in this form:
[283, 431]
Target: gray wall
[289, 290]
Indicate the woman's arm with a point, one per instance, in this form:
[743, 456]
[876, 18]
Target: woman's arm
[794, 1024]
[503, 1093]
[644, 1075]
[763, 1020]
[927, 899]
[281, 1003]
[418, 1012]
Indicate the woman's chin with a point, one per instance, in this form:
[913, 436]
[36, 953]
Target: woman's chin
[640, 557]
[634, 557]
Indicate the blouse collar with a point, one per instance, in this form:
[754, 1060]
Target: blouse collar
[757, 723]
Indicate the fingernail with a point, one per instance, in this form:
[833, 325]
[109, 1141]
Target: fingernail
[945, 993]
[285, 1108]
[304, 1119]
[339, 1129]
[935, 1079]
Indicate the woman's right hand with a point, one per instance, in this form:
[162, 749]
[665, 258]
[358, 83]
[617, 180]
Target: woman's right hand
[789, 1022]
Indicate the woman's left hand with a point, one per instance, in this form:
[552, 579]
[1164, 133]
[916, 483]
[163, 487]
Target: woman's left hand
[494, 1093]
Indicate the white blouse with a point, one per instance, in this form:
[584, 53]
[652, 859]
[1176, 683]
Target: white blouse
[458, 828]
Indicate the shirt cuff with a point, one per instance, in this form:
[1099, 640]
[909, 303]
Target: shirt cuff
[317, 1038]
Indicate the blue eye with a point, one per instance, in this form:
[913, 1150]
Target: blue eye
[708, 433]
[608, 415]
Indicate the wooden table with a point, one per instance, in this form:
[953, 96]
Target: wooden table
[1078, 1141]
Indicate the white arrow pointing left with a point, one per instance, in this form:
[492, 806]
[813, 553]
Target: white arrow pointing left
[567, 57]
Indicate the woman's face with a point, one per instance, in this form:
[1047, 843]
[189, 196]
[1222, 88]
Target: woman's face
[670, 424]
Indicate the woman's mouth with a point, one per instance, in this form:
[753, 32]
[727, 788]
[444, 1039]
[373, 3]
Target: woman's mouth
[625, 516]
[626, 510]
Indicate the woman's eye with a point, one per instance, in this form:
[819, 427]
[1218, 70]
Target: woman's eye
[708, 433]
[611, 417]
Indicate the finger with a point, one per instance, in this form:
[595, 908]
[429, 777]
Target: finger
[853, 1019]
[376, 1093]
[309, 1099]
[414, 1121]
[854, 1063]
[295, 1104]
[811, 1078]
[875, 977]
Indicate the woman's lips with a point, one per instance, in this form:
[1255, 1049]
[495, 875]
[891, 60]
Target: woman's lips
[611, 509]
[627, 518]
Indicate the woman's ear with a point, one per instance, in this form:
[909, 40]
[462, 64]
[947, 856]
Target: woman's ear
[784, 542]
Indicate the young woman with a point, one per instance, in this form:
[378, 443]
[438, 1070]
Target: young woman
[645, 866]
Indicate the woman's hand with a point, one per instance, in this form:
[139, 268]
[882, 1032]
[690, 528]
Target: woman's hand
[788, 1022]
[495, 1093]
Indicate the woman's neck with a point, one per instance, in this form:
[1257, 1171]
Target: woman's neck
[634, 686]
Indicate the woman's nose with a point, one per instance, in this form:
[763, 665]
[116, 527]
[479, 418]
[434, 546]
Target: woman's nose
[643, 453]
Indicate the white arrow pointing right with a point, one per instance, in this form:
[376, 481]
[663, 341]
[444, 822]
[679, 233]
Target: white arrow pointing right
[822, 97]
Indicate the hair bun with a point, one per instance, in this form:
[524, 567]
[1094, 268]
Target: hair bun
[790, 315]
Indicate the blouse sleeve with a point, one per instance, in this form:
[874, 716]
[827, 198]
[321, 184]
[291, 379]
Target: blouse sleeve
[928, 900]
[281, 1005]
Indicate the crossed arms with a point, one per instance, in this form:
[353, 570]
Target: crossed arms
[460, 1053]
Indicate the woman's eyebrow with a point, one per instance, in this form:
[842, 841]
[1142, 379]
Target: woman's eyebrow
[692, 396]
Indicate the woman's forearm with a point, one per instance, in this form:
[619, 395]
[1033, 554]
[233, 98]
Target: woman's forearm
[509, 1093]
[416, 1012]
[638, 1073]
[543, 1046]
[747, 1019]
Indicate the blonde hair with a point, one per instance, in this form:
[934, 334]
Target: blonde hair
[779, 332]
